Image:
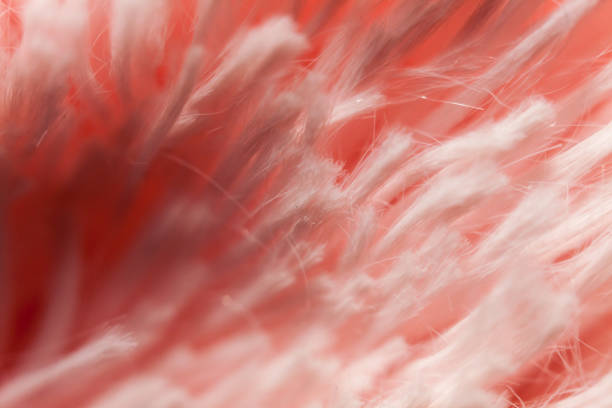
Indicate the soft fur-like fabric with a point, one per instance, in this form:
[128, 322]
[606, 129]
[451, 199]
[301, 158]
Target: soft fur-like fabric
[305, 203]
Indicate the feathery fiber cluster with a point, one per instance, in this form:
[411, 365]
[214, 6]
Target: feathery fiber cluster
[305, 203]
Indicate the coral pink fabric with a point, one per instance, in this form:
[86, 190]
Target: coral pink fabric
[305, 203]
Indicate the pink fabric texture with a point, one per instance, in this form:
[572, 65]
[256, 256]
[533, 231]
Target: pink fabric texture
[305, 203]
